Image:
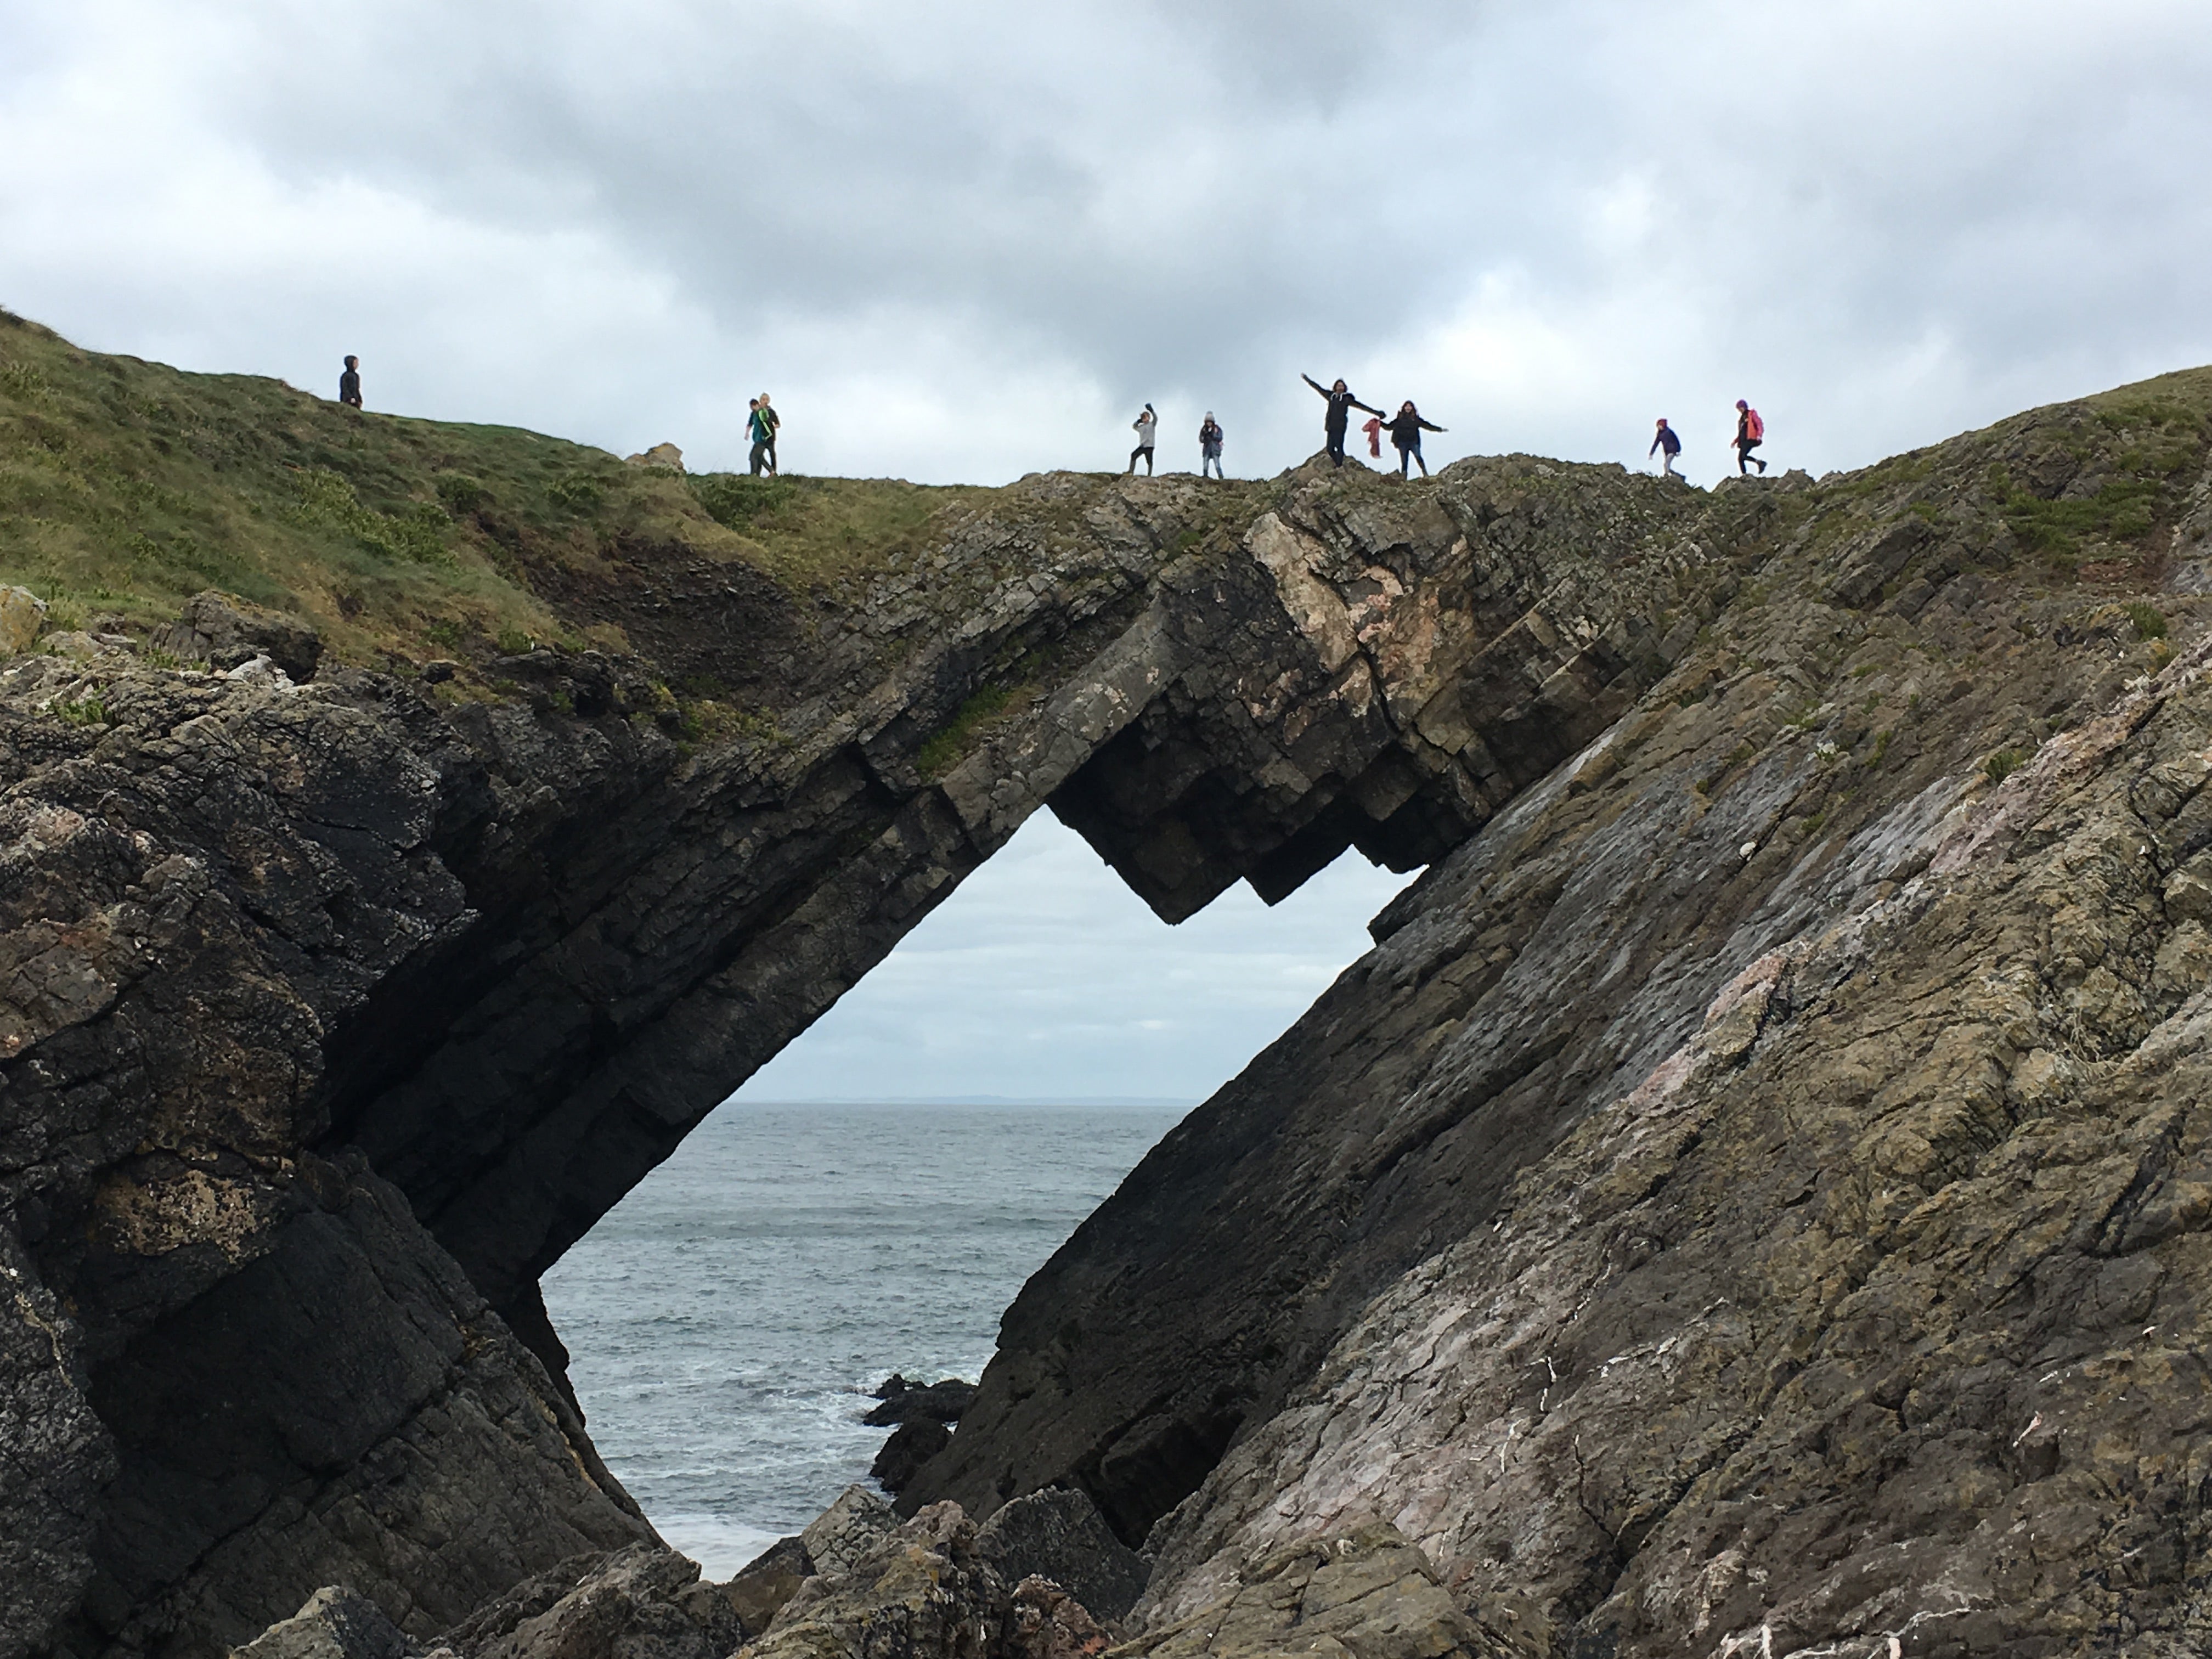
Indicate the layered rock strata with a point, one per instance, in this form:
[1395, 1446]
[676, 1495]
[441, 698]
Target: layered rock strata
[298, 971]
[1745, 1120]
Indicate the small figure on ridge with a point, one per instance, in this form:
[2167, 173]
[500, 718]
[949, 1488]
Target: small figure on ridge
[1406, 428]
[1750, 432]
[1342, 402]
[1209, 445]
[1147, 428]
[1666, 446]
[350, 383]
[762, 424]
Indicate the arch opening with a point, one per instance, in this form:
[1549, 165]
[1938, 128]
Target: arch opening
[872, 1200]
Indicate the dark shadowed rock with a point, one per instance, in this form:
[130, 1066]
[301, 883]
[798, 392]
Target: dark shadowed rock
[225, 631]
[911, 1445]
[771, 1578]
[939, 1402]
[1058, 1534]
[336, 1624]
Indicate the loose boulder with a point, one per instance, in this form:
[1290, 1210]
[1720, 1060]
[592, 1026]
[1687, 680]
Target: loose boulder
[335, 1624]
[641, 1602]
[766, 1582]
[1046, 1622]
[848, 1530]
[1059, 1534]
[920, 1594]
[23, 614]
[225, 632]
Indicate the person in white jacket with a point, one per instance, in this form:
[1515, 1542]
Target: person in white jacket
[1147, 427]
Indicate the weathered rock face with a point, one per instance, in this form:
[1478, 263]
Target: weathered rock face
[1748, 1201]
[331, 1015]
[278, 950]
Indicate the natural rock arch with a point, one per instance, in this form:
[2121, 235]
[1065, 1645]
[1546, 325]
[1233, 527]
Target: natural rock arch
[328, 967]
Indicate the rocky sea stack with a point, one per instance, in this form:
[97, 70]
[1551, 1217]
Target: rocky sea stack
[1753, 1198]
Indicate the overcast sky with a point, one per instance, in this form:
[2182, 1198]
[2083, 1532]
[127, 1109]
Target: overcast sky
[964, 242]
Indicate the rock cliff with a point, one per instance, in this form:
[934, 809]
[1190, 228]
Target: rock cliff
[1781, 1081]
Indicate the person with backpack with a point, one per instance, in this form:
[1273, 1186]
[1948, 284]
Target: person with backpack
[1750, 432]
[1147, 427]
[1404, 429]
[1342, 402]
[1666, 447]
[762, 424]
[1209, 445]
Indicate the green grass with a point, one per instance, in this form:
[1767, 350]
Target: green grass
[126, 487]
[2002, 764]
[801, 529]
[938, 755]
[2150, 620]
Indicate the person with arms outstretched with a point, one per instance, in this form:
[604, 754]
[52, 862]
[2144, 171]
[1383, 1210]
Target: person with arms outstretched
[1342, 402]
[1750, 432]
[1666, 447]
[350, 383]
[1404, 429]
[1147, 429]
[1209, 445]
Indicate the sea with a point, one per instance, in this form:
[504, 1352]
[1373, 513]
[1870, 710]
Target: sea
[729, 1319]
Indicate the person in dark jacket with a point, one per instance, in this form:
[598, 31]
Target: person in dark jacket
[1209, 445]
[350, 383]
[1404, 429]
[760, 426]
[1666, 447]
[1342, 402]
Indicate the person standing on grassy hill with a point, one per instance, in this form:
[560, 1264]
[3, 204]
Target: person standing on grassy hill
[350, 383]
[1209, 445]
[1147, 428]
[1750, 432]
[1666, 446]
[1404, 429]
[761, 424]
[1342, 402]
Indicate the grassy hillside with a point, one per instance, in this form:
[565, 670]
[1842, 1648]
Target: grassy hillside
[126, 487]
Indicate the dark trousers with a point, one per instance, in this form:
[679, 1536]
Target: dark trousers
[1743, 448]
[763, 457]
[1410, 452]
[1145, 450]
[1336, 446]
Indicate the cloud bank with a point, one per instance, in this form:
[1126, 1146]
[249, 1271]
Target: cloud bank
[965, 243]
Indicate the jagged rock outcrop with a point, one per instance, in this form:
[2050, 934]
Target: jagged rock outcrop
[1746, 1202]
[1745, 983]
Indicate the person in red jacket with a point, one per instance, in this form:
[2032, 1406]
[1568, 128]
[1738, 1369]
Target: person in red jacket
[1750, 432]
